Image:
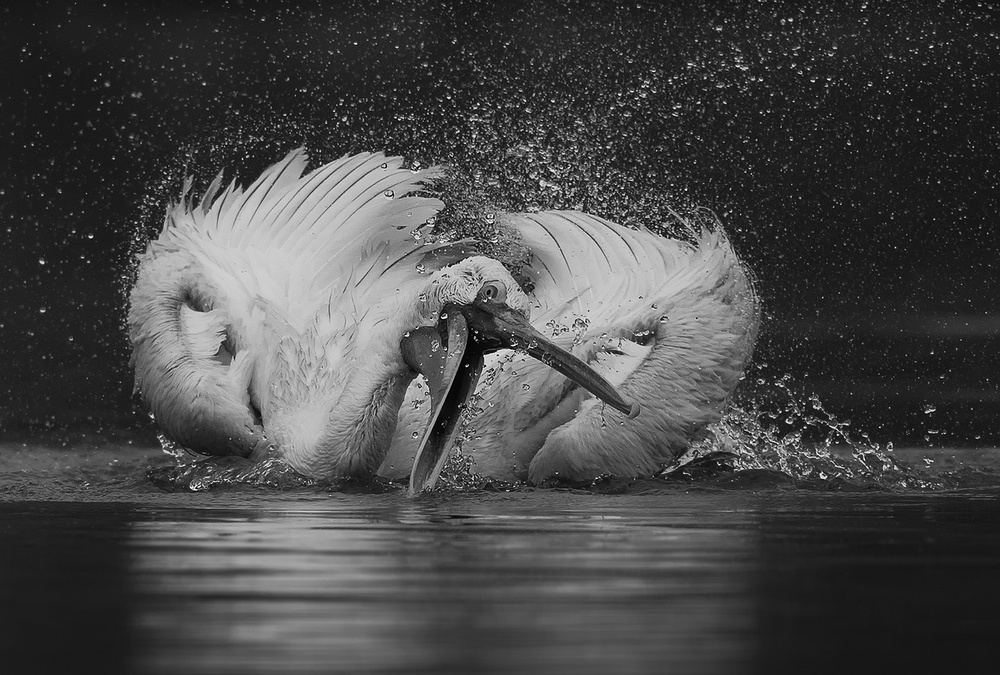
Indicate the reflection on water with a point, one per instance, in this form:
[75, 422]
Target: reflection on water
[679, 579]
[380, 583]
[457, 587]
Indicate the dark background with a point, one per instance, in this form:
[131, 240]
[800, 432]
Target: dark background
[849, 148]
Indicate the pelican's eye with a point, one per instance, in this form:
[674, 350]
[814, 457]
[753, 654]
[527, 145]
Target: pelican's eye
[492, 292]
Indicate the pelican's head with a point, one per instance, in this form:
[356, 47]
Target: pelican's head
[473, 282]
[466, 311]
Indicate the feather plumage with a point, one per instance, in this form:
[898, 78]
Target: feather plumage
[670, 322]
[250, 301]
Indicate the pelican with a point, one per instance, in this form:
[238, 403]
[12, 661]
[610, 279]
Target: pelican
[291, 318]
[668, 323]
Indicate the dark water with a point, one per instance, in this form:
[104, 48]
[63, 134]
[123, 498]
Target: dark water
[101, 571]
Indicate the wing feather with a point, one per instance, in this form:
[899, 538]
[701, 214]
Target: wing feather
[299, 243]
[203, 331]
[614, 280]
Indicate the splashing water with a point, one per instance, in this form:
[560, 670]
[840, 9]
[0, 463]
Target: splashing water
[804, 442]
[171, 448]
[798, 441]
[196, 473]
[801, 441]
[212, 472]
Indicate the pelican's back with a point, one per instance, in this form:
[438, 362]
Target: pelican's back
[237, 300]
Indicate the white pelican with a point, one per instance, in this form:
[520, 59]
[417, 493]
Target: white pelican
[289, 319]
[671, 324]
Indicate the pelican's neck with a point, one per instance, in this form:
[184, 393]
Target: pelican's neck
[197, 400]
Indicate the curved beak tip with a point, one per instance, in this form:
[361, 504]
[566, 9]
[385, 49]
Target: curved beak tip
[634, 410]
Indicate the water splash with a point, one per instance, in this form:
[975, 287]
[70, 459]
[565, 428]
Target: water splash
[796, 441]
[217, 472]
[805, 442]
[171, 448]
[198, 473]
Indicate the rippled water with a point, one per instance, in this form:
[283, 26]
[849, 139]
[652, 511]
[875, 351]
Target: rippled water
[102, 569]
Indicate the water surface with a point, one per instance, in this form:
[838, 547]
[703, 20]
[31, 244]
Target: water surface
[101, 570]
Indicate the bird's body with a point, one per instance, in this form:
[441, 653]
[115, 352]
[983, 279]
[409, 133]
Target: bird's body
[290, 319]
[255, 315]
[670, 323]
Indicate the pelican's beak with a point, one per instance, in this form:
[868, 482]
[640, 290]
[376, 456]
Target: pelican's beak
[450, 355]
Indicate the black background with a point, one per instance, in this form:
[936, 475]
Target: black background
[849, 148]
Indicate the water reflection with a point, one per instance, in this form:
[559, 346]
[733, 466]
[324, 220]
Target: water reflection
[411, 588]
[706, 581]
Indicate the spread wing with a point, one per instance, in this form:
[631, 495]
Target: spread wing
[244, 286]
[670, 322]
[325, 242]
[594, 276]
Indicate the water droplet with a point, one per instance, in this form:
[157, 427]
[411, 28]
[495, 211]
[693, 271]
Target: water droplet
[929, 408]
[416, 434]
[42, 310]
[421, 269]
[389, 194]
[526, 387]
[41, 261]
[385, 165]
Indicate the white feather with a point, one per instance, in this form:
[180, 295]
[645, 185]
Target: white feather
[670, 323]
[297, 242]
[203, 331]
[287, 272]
